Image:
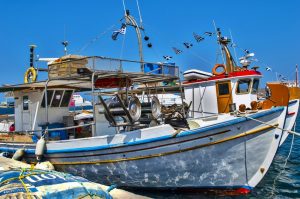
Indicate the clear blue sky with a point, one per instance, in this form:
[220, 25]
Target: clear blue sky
[269, 28]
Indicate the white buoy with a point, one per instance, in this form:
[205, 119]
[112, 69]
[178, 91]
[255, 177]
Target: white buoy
[44, 166]
[40, 148]
[18, 154]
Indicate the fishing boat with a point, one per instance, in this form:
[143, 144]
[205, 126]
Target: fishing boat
[219, 137]
[293, 107]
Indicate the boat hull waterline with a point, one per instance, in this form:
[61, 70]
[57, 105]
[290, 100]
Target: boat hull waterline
[229, 155]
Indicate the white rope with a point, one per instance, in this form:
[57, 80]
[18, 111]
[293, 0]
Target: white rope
[289, 131]
[284, 166]
[219, 42]
[233, 46]
[96, 38]
[122, 49]
[124, 7]
[138, 7]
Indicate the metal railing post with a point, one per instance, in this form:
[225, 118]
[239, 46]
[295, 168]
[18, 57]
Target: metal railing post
[94, 108]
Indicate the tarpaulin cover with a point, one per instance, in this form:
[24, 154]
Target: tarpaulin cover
[47, 184]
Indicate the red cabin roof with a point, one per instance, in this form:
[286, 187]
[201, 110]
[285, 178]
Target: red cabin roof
[224, 76]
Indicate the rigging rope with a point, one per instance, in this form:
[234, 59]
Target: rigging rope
[122, 49]
[284, 165]
[124, 7]
[96, 38]
[289, 131]
[138, 7]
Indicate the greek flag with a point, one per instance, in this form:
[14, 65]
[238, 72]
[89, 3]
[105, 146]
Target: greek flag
[188, 45]
[121, 31]
[209, 33]
[166, 57]
[197, 37]
[177, 51]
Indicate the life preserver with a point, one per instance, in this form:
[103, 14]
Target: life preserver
[214, 70]
[30, 75]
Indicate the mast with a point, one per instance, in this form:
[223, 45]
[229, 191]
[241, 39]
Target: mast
[131, 22]
[296, 75]
[224, 41]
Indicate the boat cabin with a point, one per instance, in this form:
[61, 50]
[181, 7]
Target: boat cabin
[30, 108]
[215, 94]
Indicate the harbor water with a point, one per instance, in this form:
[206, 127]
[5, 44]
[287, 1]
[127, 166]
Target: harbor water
[280, 182]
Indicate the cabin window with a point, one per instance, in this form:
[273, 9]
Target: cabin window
[66, 99]
[61, 98]
[243, 86]
[255, 86]
[57, 98]
[49, 97]
[25, 103]
[223, 88]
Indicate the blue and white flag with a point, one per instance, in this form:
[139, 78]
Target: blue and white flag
[121, 31]
[188, 45]
[197, 37]
[167, 57]
[268, 68]
[177, 51]
[209, 33]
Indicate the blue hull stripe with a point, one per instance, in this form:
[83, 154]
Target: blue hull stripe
[181, 134]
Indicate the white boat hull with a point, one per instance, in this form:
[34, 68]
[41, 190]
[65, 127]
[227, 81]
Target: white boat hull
[232, 154]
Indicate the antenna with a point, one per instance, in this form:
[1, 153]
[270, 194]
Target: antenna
[219, 41]
[65, 44]
[233, 45]
[296, 75]
[31, 58]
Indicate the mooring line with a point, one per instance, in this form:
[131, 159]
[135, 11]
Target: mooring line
[289, 131]
[284, 166]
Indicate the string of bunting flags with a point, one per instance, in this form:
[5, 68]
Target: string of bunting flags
[188, 45]
[198, 38]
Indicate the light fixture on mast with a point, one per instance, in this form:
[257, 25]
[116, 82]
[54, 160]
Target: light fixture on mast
[65, 44]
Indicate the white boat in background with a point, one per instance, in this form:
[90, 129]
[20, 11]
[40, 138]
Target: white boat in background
[78, 100]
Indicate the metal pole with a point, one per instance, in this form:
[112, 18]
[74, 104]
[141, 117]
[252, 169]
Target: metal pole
[182, 98]
[46, 103]
[94, 109]
[296, 75]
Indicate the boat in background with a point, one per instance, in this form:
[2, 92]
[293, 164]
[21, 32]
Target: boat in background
[78, 103]
[7, 106]
[293, 86]
[293, 107]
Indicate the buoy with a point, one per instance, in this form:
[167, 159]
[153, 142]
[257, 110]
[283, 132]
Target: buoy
[44, 166]
[40, 148]
[214, 70]
[18, 154]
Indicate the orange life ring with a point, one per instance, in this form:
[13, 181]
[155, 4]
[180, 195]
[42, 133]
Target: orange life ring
[214, 70]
